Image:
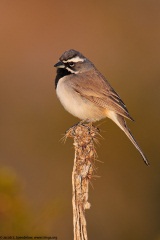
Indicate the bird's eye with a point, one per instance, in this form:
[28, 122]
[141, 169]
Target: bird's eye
[71, 64]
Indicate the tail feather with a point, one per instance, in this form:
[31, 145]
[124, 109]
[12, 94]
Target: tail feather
[120, 121]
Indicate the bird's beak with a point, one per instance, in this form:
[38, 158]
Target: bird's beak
[59, 65]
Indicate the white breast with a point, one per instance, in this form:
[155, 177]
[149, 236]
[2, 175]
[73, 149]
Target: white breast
[74, 103]
[70, 100]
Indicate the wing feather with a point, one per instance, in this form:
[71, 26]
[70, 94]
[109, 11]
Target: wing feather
[94, 87]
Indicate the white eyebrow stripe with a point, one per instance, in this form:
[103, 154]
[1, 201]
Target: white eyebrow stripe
[75, 59]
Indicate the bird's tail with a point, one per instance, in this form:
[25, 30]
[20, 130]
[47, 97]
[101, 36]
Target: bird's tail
[120, 121]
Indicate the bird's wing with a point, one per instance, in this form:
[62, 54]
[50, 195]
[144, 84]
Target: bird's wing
[94, 87]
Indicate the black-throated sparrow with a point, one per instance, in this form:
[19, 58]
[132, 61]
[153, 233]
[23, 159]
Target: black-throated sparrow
[86, 94]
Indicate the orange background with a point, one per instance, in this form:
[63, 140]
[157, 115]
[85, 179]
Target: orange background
[122, 38]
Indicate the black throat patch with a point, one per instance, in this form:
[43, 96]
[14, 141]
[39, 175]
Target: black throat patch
[61, 72]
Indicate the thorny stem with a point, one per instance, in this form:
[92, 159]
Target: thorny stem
[83, 168]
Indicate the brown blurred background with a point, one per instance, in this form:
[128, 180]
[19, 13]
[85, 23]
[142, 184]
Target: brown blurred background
[122, 38]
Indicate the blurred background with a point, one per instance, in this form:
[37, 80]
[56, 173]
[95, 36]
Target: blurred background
[122, 38]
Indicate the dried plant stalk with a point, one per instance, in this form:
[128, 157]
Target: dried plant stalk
[85, 155]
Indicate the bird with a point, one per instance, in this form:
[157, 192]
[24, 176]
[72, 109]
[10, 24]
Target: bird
[85, 93]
